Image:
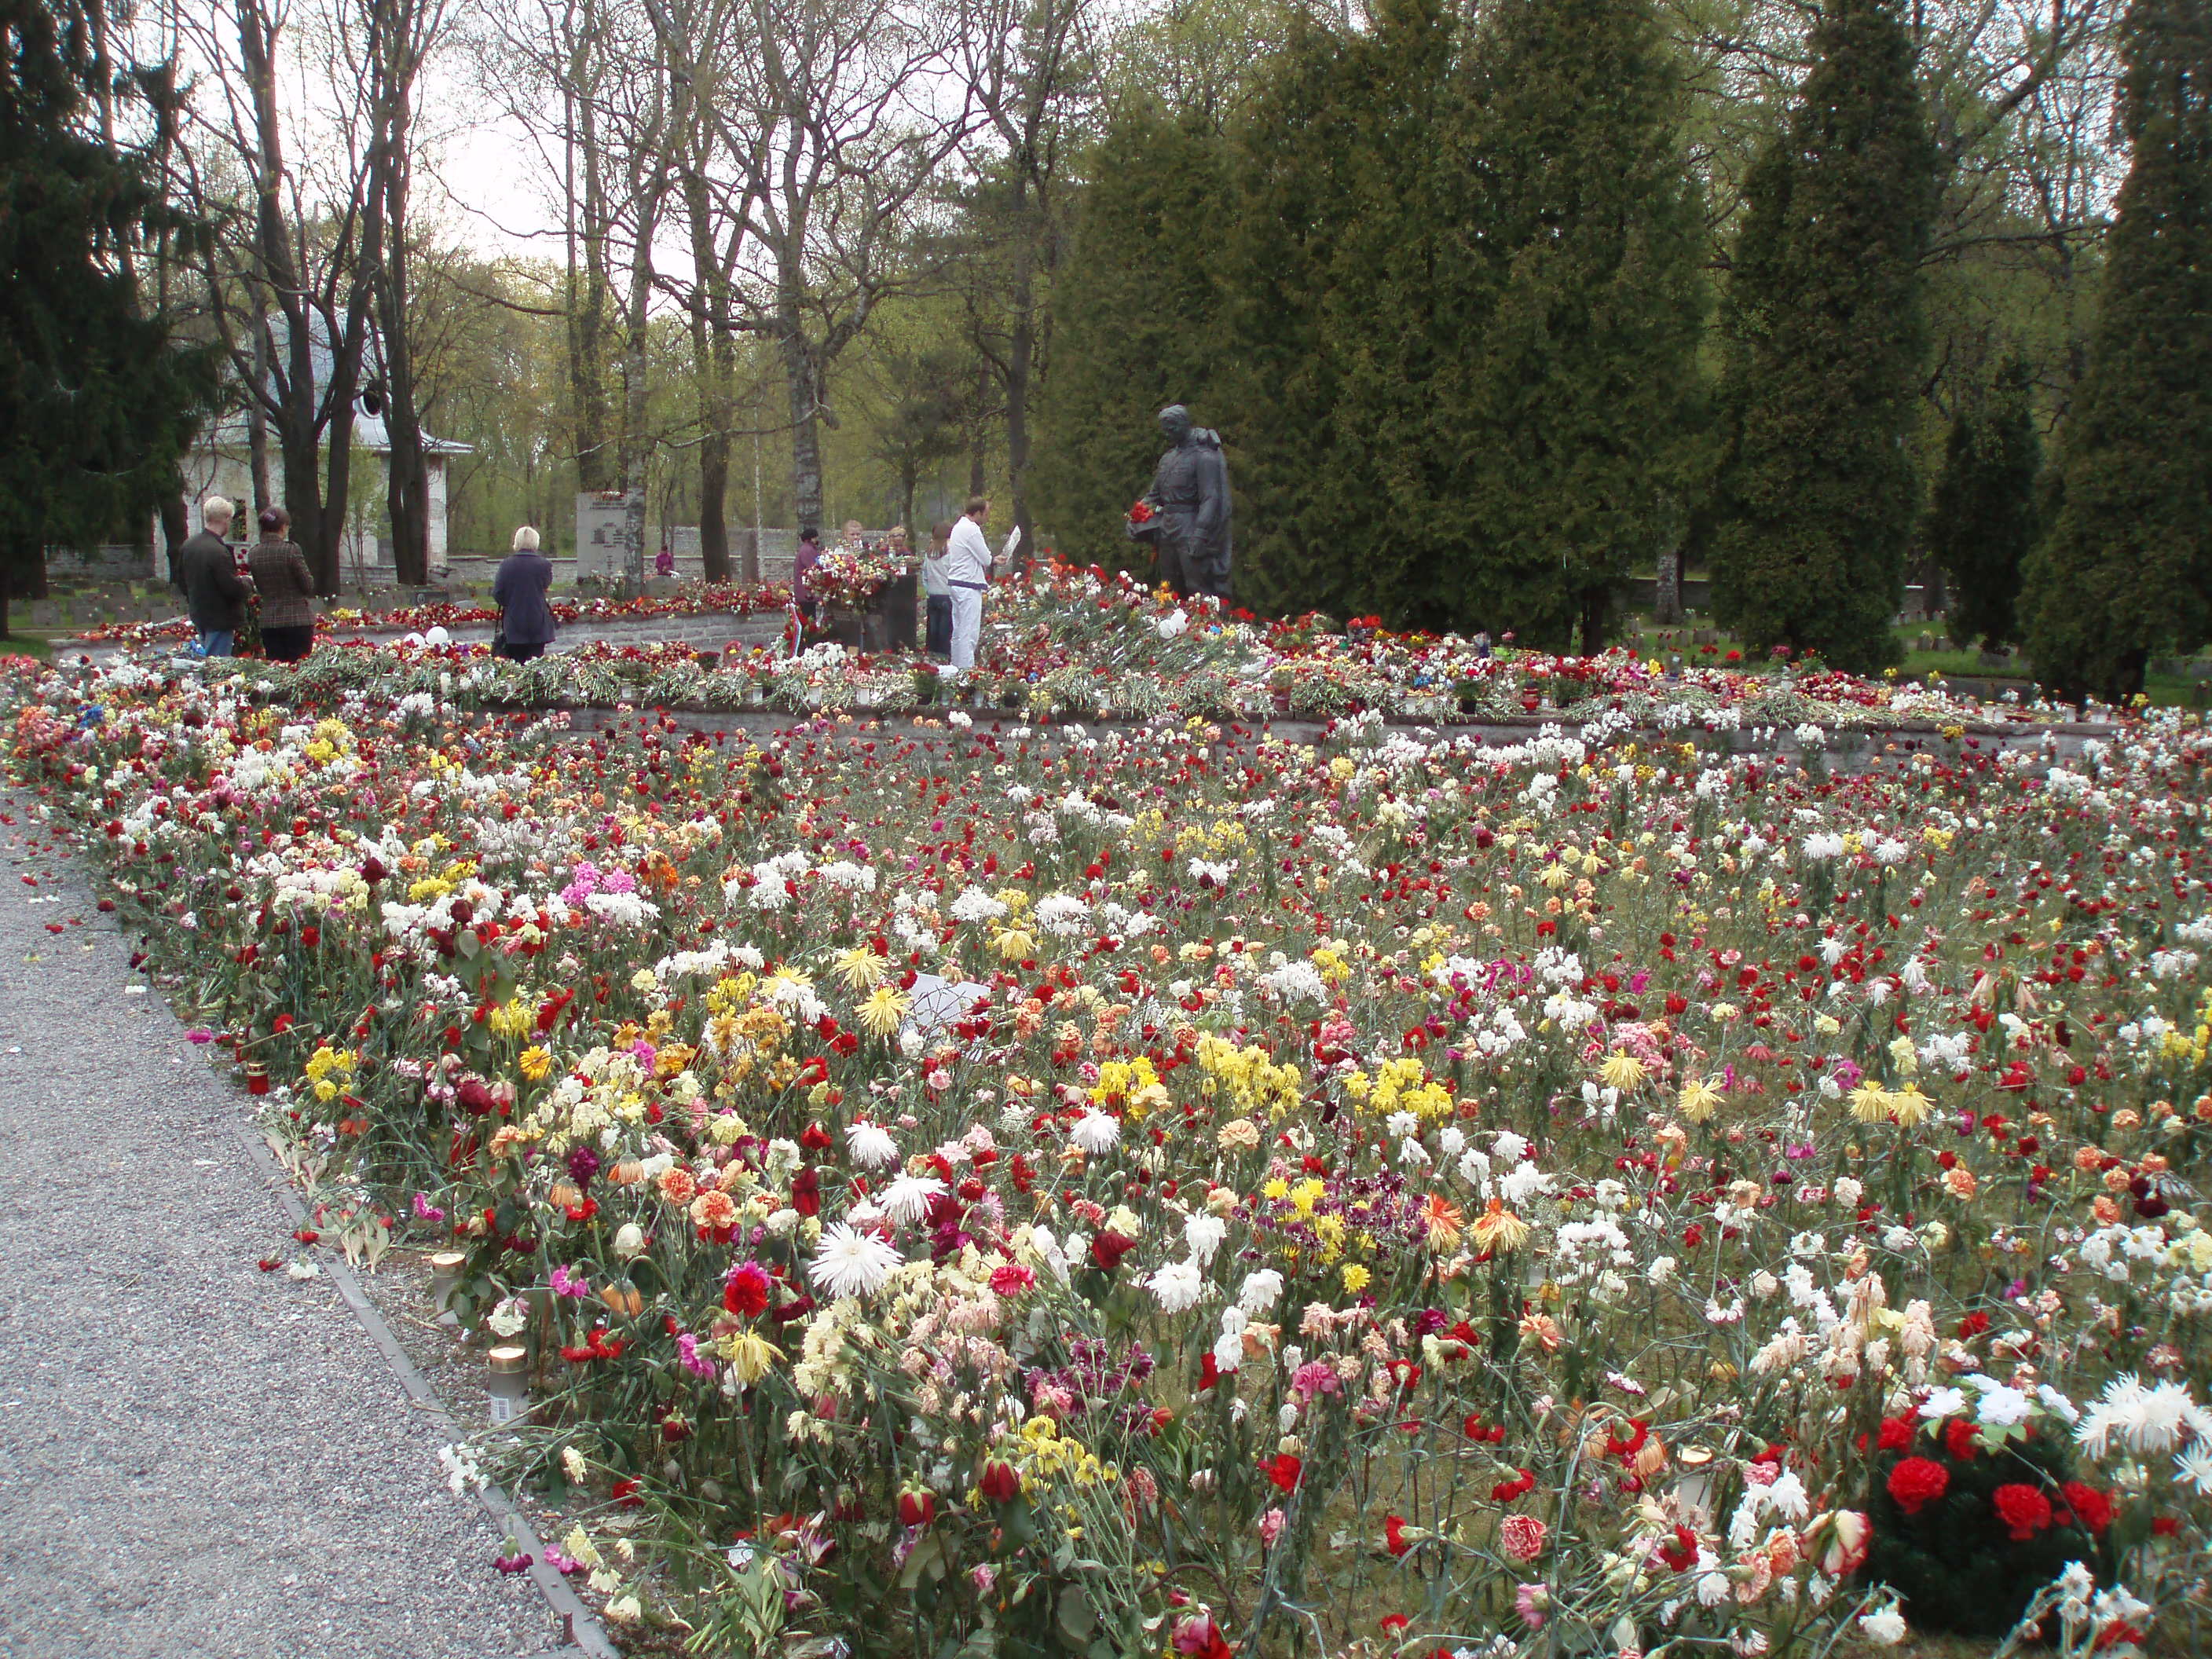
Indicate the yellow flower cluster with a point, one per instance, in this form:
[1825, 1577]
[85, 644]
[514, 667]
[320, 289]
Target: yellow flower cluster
[1401, 1085]
[1043, 1453]
[330, 1070]
[1246, 1073]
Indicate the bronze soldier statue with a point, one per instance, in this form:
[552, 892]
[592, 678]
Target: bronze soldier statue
[1188, 521]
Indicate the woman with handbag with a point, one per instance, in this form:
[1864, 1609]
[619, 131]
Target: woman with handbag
[526, 620]
[287, 588]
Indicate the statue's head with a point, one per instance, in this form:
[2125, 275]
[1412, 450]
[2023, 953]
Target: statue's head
[1175, 421]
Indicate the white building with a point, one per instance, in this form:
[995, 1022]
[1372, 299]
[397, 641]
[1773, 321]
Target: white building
[220, 462]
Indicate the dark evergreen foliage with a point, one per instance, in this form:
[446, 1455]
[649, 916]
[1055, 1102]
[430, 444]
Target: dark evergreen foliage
[1332, 308]
[2126, 570]
[1570, 407]
[1982, 520]
[1133, 326]
[96, 400]
[1956, 1562]
[1818, 494]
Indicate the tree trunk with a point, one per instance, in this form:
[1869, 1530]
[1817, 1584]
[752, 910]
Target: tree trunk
[257, 428]
[805, 427]
[587, 307]
[1021, 353]
[636, 451]
[1667, 594]
[176, 523]
[713, 401]
[1597, 604]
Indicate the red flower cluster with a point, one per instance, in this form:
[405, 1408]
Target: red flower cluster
[2025, 1511]
[1918, 1480]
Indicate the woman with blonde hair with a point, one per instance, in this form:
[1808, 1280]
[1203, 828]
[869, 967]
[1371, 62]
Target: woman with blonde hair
[526, 620]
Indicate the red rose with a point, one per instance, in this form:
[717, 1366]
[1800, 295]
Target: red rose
[2023, 1509]
[1918, 1480]
[1108, 1248]
[1141, 513]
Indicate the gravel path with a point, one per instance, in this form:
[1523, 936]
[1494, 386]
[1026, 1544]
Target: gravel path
[197, 1460]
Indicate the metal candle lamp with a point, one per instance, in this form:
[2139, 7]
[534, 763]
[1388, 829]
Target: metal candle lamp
[1694, 1481]
[445, 1275]
[508, 1392]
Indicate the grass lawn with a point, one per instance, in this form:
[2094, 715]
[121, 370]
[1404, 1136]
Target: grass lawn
[28, 642]
[2164, 690]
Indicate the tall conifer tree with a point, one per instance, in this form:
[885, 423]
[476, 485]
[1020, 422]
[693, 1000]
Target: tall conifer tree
[1981, 522]
[1570, 410]
[96, 402]
[1331, 312]
[1134, 327]
[2127, 568]
[1818, 492]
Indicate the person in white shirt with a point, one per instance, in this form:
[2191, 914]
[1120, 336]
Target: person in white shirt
[938, 593]
[968, 573]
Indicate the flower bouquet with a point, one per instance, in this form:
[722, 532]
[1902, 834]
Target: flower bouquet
[850, 577]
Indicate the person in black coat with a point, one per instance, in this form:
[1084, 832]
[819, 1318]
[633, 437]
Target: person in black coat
[525, 619]
[215, 593]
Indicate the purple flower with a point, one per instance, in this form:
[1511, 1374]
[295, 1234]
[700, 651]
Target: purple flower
[583, 1164]
[426, 1210]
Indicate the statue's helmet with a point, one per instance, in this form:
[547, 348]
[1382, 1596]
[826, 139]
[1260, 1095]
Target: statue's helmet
[1174, 420]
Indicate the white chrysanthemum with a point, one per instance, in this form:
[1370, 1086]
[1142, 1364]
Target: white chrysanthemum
[1884, 1628]
[1944, 1402]
[2194, 1465]
[1204, 1234]
[1262, 1290]
[907, 1199]
[1177, 1286]
[1228, 1352]
[2151, 1420]
[1096, 1133]
[872, 1145]
[849, 1262]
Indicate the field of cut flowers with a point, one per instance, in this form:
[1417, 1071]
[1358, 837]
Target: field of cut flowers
[961, 1190]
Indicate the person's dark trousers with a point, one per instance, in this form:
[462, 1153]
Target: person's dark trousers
[940, 625]
[516, 653]
[289, 644]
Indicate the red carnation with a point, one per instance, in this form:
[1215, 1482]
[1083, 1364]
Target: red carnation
[1960, 1440]
[2023, 1509]
[1283, 1469]
[1918, 1480]
[2091, 1507]
[1394, 1535]
[746, 1290]
[1108, 1248]
[1896, 1433]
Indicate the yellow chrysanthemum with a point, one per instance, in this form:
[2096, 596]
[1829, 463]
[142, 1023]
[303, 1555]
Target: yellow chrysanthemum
[862, 969]
[1700, 1100]
[1622, 1071]
[885, 1011]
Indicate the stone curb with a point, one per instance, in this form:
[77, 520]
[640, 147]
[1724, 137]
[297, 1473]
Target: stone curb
[580, 1627]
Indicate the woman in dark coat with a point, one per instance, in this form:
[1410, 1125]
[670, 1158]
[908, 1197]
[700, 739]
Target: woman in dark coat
[287, 587]
[525, 619]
